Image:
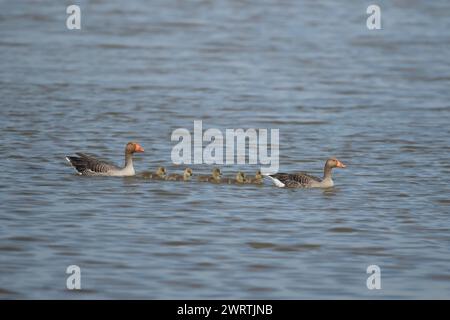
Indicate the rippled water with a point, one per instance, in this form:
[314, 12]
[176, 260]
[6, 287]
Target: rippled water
[377, 100]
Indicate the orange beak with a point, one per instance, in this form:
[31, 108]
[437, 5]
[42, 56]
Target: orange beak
[340, 165]
[138, 148]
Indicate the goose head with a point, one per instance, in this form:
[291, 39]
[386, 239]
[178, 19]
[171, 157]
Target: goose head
[334, 163]
[187, 173]
[240, 177]
[216, 174]
[161, 172]
[133, 147]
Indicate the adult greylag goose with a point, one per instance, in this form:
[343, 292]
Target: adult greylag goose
[159, 174]
[258, 179]
[90, 166]
[186, 176]
[215, 177]
[304, 180]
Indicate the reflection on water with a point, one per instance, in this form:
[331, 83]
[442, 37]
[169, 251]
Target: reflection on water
[376, 100]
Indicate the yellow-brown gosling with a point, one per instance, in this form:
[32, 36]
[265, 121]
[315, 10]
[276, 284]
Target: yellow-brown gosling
[158, 175]
[186, 176]
[239, 179]
[215, 177]
[258, 179]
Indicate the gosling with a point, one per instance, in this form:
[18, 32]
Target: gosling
[239, 179]
[158, 175]
[186, 176]
[215, 177]
[258, 179]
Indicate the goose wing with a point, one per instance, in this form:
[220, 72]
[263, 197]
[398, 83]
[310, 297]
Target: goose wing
[86, 164]
[304, 177]
[293, 180]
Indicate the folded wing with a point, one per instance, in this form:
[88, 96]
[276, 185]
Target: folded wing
[88, 165]
[294, 180]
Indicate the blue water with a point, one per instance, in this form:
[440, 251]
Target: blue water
[377, 100]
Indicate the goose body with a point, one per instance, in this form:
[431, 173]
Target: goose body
[88, 165]
[304, 180]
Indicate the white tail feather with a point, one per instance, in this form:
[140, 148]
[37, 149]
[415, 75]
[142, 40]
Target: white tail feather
[277, 182]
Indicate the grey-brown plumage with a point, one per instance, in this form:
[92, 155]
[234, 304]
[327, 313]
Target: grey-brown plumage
[90, 166]
[296, 180]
